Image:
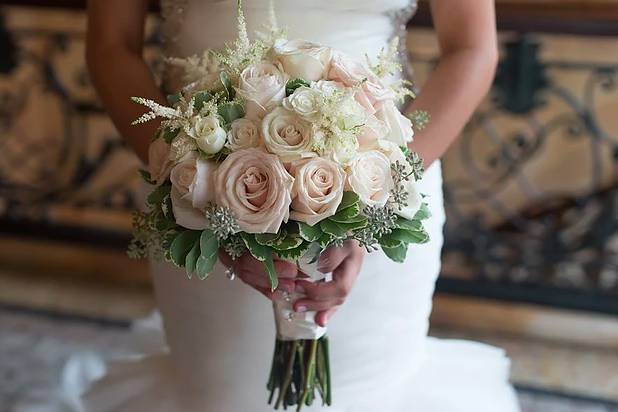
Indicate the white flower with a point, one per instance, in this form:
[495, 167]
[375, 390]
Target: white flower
[209, 136]
[305, 101]
[287, 135]
[369, 176]
[192, 190]
[243, 134]
[400, 127]
[415, 199]
[303, 60]
[159, 161]
[262, 85]
[257, 189]
[373, 130]
[317, 191]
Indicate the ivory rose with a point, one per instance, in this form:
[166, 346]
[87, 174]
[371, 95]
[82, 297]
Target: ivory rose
[302, 59]
[287, 135]
[373, 130]
[262, 85]
[400, 127]
[317, 191]
[351, 72]
[243, 134]
[305, 102]
[159, 161]
[208, 134]
[369, 176]
[192, 190]
[415, 199]
[257, 189]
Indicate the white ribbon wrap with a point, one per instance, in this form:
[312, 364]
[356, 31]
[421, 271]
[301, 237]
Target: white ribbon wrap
[293, 325]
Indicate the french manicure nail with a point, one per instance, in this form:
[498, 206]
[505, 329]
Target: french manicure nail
[301, 309]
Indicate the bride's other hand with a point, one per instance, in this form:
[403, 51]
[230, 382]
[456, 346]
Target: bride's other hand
[252, 272]
[325, 297]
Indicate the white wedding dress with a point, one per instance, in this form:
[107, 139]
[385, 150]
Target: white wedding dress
[220, 333]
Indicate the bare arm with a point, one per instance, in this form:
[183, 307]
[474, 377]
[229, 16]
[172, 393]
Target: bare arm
[467, 37]
[118, 71]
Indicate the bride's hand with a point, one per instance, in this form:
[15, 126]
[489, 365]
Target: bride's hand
[325, 297]
[252, 272]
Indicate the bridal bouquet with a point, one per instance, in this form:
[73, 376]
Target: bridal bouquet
[282, 148]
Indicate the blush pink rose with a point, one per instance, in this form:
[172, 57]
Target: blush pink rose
[257, 189]
[317, 191]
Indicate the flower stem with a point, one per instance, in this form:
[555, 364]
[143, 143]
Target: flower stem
[288, 372]
[309, 374]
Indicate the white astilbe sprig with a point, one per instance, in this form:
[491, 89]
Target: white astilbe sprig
[156, 110]
[388, 60]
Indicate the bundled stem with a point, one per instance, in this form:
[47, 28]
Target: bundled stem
[299, 368]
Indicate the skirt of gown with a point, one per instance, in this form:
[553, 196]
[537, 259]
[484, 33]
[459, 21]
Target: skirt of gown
[220, 336]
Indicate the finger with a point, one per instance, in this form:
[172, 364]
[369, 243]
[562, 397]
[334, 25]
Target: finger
[285, 269]
[259, 279]
[341, 285]
[331, 258]
[304, 305]
[322, 318]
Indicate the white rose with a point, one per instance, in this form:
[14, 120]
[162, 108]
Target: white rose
[257, 189]
[243, 134]
[287, 135]
[369, 176]
[159, 161]
[400, 127]
[192, 190]
[415, 199]
[263, 87]
[208, 134]
[305, 101]
[373, 130]
[317, 191]
[303, 60]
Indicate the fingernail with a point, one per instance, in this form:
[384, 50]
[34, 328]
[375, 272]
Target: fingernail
[323, 265]
[300, 288]
[301, 309]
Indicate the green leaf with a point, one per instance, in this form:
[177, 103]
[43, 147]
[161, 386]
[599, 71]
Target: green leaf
[423, 213]
[414, 225]
[170, 134]
[349, 199]
[181, 246]
[145, 175]
[191, 259]
[260, 252]
[290, 241]
[347, 214]
[230, 111]
[204, 266]
[295, 84]
[310, 233]
[200, 99]
[397, 254]
[209, 246]
[267, 239]
[227, 85]
[339, 229]
[156, 197]
[409, 236]
[325, 240]
[389, 242]
[294, 254]
[269, 265]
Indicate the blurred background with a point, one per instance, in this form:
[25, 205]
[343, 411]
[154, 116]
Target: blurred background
[531, 252]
